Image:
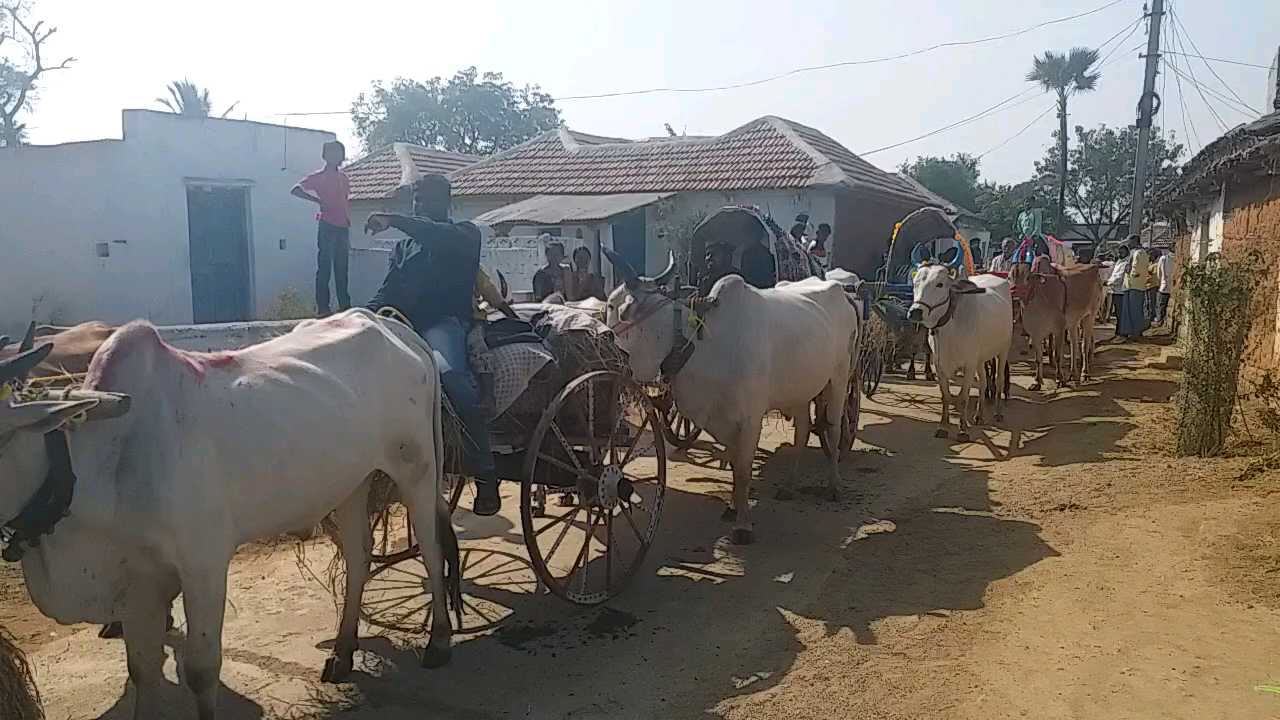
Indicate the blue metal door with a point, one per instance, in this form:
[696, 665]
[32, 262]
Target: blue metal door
[218, 232]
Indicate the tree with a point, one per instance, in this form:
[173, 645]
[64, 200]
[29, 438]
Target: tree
[1064, 75]
[468, 113]
[1099, 181]
[954, 178]
[189, 100]
[26, 39]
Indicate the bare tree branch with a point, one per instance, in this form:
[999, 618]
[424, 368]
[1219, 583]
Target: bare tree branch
[36, 35]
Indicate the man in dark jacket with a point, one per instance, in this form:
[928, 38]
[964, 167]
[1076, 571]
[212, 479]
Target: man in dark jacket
[431, 281]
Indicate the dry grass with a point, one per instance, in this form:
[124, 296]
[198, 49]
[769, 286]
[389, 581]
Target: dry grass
[19, 698]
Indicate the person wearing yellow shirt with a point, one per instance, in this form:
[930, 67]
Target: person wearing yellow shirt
[1133, 317]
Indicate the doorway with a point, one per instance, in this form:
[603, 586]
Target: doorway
[218, 232]
[629, 238]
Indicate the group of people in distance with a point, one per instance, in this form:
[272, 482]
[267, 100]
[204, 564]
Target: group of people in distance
[570, 282]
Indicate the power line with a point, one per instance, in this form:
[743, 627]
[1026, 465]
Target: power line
[955, 124]
[1188, 128]
[1012, 137]
[847, 63]
[1221, 60]
[1187, 35]
[1177, 38]
[1248, 111]
[1131, 27]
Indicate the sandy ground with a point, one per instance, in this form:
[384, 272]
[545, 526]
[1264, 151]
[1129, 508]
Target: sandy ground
[1080, 573]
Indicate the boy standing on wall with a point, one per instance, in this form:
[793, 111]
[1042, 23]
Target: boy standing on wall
[329, 188]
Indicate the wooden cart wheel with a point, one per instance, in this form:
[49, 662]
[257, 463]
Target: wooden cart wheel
[680, 431]
[600, 442]
[872, 370]
[397, 596]
[392, 544]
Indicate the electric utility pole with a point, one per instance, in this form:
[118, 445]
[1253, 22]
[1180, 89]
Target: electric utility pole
[1148, 106]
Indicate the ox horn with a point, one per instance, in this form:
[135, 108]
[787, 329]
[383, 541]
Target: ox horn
[663, 277]
[16, 368]
[503, 288]
[629, 276]
[28, 340]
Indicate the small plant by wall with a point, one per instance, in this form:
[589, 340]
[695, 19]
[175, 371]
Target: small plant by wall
[1219, 292]
[289, 305]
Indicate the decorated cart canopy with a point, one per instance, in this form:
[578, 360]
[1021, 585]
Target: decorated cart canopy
[739, 226]
[926, 233]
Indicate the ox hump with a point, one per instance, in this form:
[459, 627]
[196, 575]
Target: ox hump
[129, 341]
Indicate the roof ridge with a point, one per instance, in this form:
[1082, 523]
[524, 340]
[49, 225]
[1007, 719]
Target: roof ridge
[826, 170]
[503, 155]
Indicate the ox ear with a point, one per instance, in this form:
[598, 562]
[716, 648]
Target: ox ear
[966, 287]
[42, 416]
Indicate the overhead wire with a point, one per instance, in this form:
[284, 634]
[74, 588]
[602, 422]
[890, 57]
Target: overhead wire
[1222, 60]
[1130, 27]
[1011, 138]
[1187, 127]
[1245, 110]
[1187, 35]
[1177, 39]
[846, 63]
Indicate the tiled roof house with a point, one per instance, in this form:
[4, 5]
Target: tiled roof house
[780, 165]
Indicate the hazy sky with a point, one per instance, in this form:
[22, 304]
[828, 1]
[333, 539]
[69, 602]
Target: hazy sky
[279, 56]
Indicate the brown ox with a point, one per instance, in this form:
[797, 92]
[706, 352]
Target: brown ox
[1084, 298]
[1044, 304]
[73, 347]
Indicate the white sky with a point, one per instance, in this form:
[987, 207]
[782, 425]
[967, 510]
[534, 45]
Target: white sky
[281, 56]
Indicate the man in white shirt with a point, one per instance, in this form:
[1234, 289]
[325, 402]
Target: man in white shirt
[1164, 272]
[1115, 284]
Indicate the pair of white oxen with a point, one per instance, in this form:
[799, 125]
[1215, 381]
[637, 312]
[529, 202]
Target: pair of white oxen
[180, 457]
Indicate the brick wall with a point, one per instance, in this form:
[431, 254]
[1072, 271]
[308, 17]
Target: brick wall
[1252, 223]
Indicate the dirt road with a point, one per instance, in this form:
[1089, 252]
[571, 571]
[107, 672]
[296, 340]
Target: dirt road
[1079, 574]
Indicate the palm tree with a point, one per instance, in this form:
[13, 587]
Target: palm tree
[1065, 75]
[187, 99]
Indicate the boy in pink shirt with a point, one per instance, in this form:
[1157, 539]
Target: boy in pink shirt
[329, 189]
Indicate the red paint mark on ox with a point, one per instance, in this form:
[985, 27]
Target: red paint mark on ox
[141, 337]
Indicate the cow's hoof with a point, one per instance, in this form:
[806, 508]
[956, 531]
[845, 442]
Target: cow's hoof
[743, 536]
[963, 437]
[112, 631]
[941, 434]
[729, 514]
[336, 669]
[783, 494]
[435, 657]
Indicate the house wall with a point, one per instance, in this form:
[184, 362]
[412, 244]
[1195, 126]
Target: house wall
[1251, 224]
[59, 202]
[1205, 221]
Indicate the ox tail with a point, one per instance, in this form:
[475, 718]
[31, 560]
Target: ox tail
[452, 562]
[444, 524]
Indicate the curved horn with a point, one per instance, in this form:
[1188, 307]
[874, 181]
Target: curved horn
[503, 288]
[16, 368]
[28, 340]
[629, 276]
[663, 277]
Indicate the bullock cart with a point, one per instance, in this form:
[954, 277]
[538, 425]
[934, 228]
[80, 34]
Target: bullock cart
[585, 443]
[740, 227]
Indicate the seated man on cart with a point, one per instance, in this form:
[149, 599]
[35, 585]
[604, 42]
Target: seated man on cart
[432, 283]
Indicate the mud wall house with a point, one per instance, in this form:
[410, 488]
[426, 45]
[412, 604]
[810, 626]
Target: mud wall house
[1227, 200]
[633, 195]
[181, 220]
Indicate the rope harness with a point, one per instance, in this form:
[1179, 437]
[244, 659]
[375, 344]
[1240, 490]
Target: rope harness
[48, 506]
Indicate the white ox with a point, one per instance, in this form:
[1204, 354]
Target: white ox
[215, 450]
[753, 351]
[970, 322]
